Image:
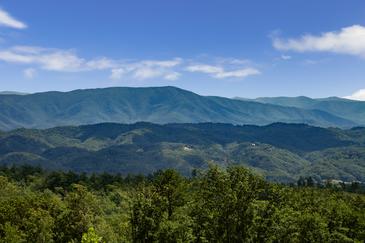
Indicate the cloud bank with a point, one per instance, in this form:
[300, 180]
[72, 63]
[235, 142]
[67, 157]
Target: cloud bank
[349, 40]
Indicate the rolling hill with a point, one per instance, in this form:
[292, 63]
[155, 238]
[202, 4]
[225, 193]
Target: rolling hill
[280, 152]
[160, 105]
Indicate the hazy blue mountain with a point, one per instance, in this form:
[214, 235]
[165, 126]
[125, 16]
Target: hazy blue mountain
[281, 152]
[12, 93]
[345, 108]
[159, 105]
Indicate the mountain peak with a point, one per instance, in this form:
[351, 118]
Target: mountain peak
[166, 104]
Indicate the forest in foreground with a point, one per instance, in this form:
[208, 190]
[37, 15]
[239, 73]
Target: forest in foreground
[215, 205]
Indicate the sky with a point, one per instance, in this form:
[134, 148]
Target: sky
[231, 48]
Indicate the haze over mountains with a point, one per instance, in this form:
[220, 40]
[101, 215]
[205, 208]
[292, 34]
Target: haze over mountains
[169, 105]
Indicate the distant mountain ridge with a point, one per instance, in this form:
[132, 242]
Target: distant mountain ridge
[156, 104]
[12, 93]
[348, 109]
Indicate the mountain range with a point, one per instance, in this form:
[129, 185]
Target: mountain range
[280, 152]
[164, 105]
[344, 108]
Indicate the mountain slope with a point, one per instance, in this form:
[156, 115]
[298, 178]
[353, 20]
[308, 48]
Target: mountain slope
[281, 152]
[345, 108]
[159, 105]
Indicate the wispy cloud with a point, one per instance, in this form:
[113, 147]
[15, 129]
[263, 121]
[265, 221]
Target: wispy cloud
[232, 61]
[358, 95]
[46, 58]
[285, 57]
[101, 64]
[117, 73]
[146, 72]
[52, 59]
[203, 68]
[221, 73]
[7, 20]
[172, 76]
[349, 40]
[147, 69]
[162, 64]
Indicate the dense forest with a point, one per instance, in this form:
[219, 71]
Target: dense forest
[280, 152]
[214, 205]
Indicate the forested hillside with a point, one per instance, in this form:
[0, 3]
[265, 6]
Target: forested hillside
[216, 205]
[280, 152]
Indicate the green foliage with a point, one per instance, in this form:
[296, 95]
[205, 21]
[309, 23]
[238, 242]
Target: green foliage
[81, 210]
[91, 237]
[280, 152]
[158, 210]
[216, 205]
[11, 234]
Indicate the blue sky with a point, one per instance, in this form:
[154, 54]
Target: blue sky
[226, 48]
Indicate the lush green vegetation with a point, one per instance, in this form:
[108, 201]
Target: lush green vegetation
[280, 152]
[216, 205]
[158, 105]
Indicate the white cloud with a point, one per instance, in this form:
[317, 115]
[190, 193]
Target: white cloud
[220, 73]
[7, 20]
[240, 73]
[117, 73]
[172, 76]
[46, 58]
[101, 64]
[59, 60]
[285, 57]
[146, 73]
[68, 61]
[163, 64]
[9, 56]
[358, 95]
[349, 40]
[203, 68]
[147, 69]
